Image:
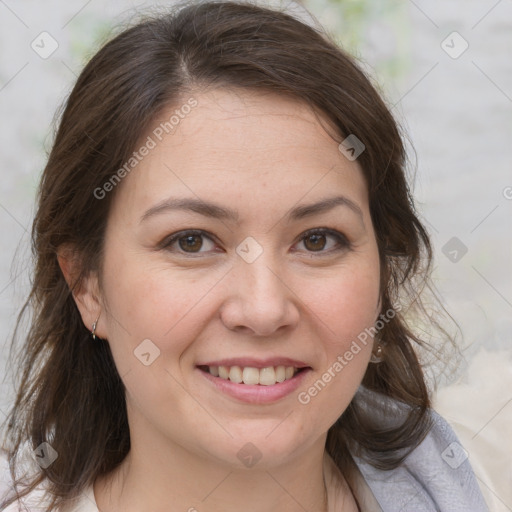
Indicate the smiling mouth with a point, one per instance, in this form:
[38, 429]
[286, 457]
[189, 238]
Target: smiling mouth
[268, 376]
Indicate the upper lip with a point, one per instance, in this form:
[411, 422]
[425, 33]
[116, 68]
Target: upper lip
[256, 363]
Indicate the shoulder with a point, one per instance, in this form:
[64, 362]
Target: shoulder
[435, 476]
[38, 499]
[32, 502]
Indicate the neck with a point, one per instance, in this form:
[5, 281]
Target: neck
[149, 479]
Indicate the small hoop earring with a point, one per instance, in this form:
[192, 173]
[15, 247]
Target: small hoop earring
[377, 355]
[93, 332]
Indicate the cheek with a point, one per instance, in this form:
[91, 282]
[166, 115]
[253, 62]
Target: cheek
[347, 310]
[151, 301]
[346, 303]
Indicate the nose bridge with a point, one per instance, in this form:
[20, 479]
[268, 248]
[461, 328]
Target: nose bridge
[258, 296]
[261, 278]
[258, 277]
[255, 258]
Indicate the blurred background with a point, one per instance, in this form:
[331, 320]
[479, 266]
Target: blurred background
[444, 69]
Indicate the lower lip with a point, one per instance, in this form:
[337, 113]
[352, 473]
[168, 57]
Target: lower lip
[257, 394]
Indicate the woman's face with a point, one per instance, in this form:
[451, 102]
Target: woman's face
[243, 240]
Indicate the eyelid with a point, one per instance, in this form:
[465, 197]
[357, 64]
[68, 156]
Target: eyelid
[174, 237]
[342, 240]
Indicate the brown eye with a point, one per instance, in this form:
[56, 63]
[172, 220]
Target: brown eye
[315, 242]
[190, 243]
[324, 241]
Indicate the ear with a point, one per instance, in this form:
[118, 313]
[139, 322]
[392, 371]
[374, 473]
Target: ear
[86, 293]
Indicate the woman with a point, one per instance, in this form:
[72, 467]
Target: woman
[227, 252]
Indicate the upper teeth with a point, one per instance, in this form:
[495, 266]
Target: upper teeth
[248, 375]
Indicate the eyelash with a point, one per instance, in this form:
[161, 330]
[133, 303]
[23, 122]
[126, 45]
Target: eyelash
[342, 241]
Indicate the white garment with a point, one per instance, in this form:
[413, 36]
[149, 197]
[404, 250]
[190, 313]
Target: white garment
[435, 477]
[36, 502]
[87, 503]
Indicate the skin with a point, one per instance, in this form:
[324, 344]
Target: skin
[262, 155]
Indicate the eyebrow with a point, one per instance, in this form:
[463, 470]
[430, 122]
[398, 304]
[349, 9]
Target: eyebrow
[216, 211]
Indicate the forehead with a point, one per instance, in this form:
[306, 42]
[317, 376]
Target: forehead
[245, 150]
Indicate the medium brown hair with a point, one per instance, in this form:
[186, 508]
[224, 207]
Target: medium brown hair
[69, 392]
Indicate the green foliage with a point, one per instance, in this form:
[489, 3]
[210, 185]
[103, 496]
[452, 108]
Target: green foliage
[86, 34]
[378, 33]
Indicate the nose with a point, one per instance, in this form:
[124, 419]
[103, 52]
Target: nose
[260, 301]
